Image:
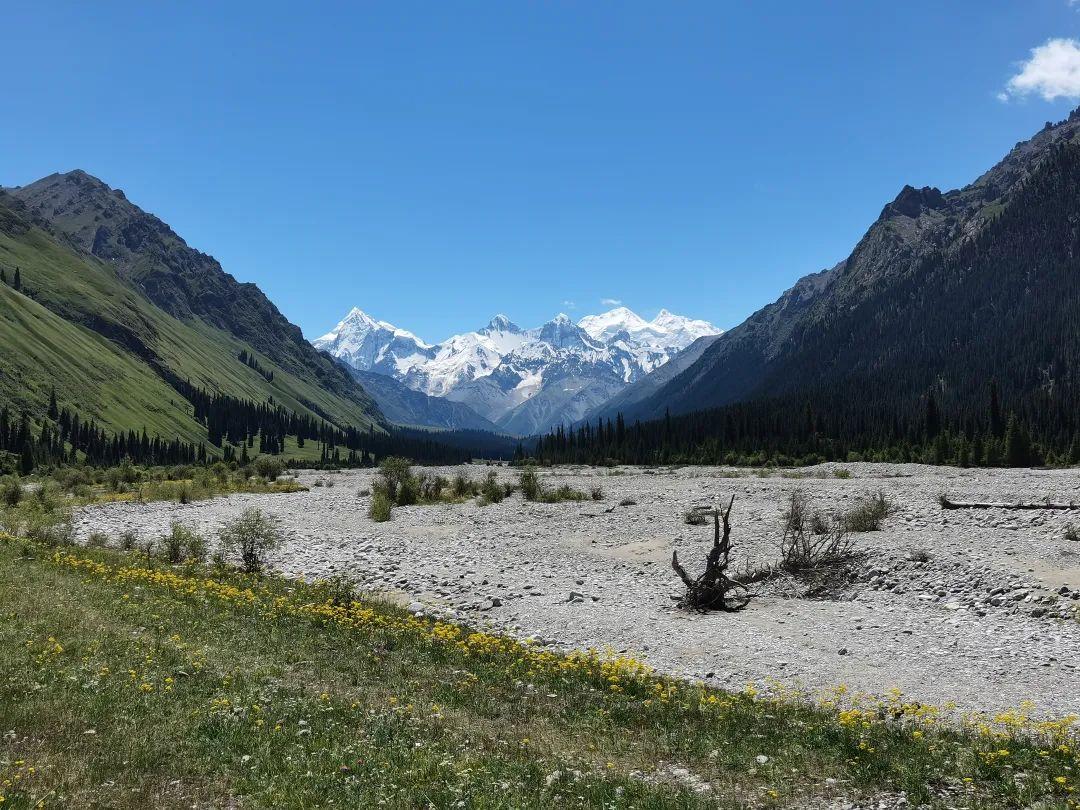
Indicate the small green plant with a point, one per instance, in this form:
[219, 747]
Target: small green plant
[696, 517]
[1072, 534]
[98, 540]
[381, 507]
[129, 540]
[842, 473]
[597, 493]
[251, 537]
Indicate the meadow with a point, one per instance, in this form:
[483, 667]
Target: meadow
[128, 682]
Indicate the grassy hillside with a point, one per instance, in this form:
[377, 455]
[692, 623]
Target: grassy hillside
[128, 685]
[102, 343]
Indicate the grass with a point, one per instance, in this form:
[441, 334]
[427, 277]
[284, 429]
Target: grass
[129, 686]
[88, 486]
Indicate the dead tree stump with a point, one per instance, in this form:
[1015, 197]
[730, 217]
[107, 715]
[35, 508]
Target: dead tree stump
[713, 589]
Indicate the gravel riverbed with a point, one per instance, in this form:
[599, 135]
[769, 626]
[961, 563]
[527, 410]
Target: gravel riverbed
[976, 607]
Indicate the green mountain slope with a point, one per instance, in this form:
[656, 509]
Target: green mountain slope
[89, 326]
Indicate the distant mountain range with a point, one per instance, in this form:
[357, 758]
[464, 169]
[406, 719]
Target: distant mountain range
[522, 381]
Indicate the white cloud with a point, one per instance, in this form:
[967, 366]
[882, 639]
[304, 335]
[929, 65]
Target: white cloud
[569, 304]
[1053, 72]
[610, 302]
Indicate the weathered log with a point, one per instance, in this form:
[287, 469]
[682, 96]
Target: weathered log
[947, 504]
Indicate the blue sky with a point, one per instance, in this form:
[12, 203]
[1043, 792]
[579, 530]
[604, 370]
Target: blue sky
[436, 163]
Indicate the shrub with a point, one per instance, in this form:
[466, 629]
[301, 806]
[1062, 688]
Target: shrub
[491, 491]
[565, 492]
[11, 491]
[183, 543]
[810, 544]
[97, 540]
[597, 493]
[429, 488]
[1072, 534]
[129, 540]
[696, 517]
[462, 487]
[843, 474]
[627, 502]
[530, 485]
[868, 514]
[380, 508]
[397, 481]
[269, 467]
[251, 537]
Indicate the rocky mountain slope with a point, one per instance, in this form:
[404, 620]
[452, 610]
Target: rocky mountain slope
[522, 380]
[119, 314]
[945, 292]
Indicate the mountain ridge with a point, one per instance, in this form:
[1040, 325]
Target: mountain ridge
[522, 380]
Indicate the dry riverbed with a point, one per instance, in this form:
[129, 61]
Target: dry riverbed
[976, 607]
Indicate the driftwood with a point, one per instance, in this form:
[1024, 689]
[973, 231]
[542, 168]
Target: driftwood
[713, 589]
[947, 504]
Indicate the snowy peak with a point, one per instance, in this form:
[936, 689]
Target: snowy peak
[562, 333]
[524, 380]
[606, 326]
[683, 331]
[358, 324]
[500, 323]
[370, 345]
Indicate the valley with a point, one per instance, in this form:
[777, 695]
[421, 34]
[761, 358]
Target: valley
[975, 607]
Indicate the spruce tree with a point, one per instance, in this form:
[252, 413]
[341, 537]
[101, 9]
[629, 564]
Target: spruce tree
[1017, 444]
[17, 282]
[933, 418]
[54, 412]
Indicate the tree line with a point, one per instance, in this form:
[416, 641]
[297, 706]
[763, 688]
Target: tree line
[791, 431]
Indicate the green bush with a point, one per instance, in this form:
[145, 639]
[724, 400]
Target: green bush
[462, 487]
[183, 543]
[269, 467]
[11, 491]
[251, 537]
[380, 508]
[530, 485]
[490, 490]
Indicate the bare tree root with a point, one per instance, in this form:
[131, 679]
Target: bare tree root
[713, 589]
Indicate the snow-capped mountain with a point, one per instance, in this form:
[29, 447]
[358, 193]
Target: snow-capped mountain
[369, 345]
[524, 380]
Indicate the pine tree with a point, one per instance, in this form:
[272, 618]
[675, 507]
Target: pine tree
[933, 418]
[1017, 444]
[17, 282]
[997, 424]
